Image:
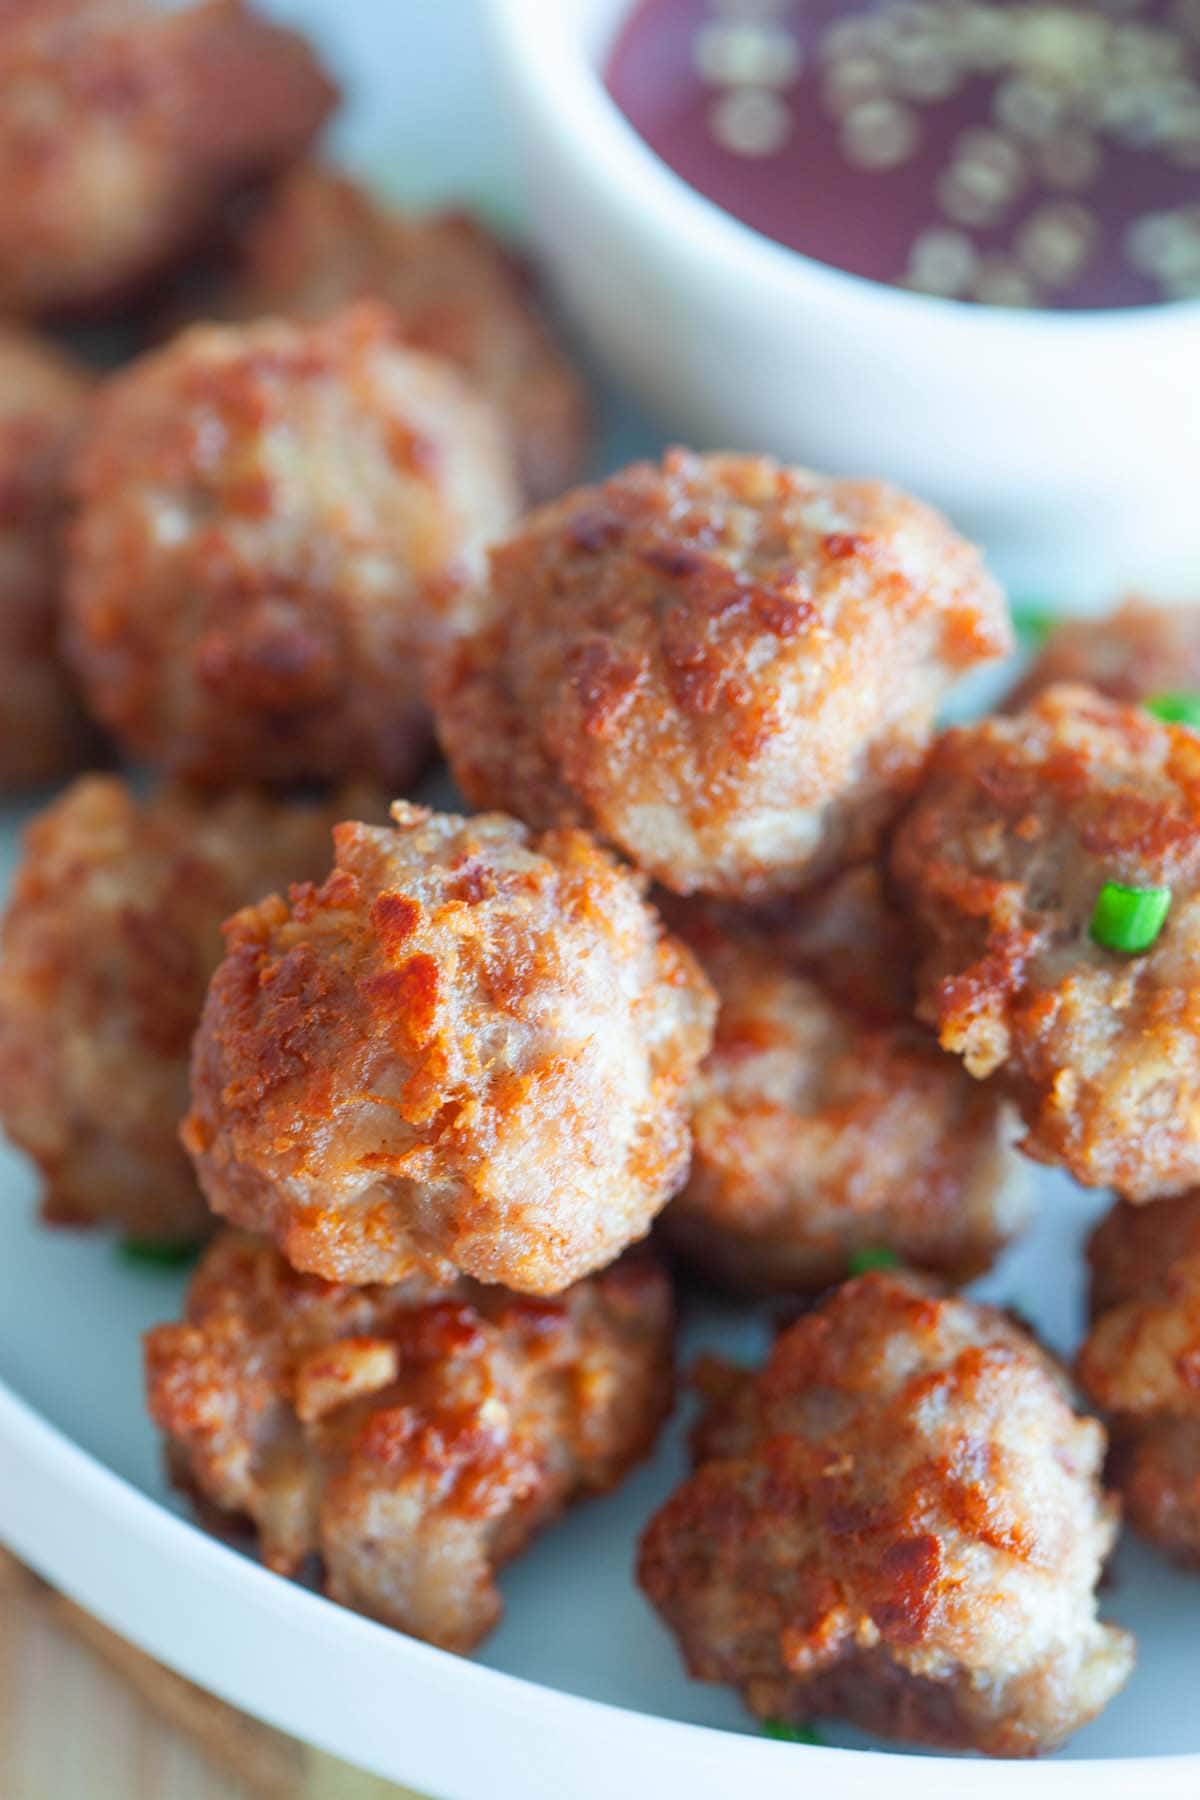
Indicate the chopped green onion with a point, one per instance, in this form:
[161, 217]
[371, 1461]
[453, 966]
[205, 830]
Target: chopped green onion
[872, 1256]
[1129, 919]
[1176, 709]
[791, 1734]
[1033, 625]
[162, 1256]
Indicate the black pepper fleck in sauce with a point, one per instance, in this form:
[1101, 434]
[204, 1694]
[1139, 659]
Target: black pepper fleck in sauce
[1012, 153]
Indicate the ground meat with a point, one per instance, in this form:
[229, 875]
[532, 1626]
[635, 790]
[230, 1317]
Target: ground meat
[1141, 1364]
[821, 1131]
[414, 1439]
[278, 524]
[468, 1052]
[1020, 823]
[43, 400]
[111, 934]
[725, 667]
[1137, 653]
[321, 242]
[897, 1522]
[125, 126]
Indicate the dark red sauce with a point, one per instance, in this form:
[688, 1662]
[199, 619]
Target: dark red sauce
[1012, 153]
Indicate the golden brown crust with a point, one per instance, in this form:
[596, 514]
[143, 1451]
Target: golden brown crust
[111, 933]
[412, 1438]
[820, 1129]
[1019, 824]
[1141, 1364]
[43, 403]
[1136, 653]
[723, 666]
[467, 1052]
[278, 525]
[897, 1521]
[125, 126]
[320, 242]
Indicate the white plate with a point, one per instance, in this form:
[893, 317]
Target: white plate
[580, 1694]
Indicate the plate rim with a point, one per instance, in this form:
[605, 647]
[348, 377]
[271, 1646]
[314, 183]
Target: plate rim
[56, 1496]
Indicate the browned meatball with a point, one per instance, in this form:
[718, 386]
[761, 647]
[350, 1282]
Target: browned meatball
[468, 1052]
[1141, 1364]
[43, 400]
[111, 934]
[725, 667]
[278, 524]
[1020, 824]
[823, 1131]
[897, 1522]
[413, 1438]
[125, 125]
[321, 242]
[1137, 653]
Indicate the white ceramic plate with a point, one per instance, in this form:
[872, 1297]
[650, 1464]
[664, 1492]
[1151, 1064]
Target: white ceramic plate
[580, 1695]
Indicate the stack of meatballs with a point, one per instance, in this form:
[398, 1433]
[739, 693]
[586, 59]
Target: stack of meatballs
[736, 950]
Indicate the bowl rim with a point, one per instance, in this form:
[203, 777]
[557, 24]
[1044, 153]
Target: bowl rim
[540, 46]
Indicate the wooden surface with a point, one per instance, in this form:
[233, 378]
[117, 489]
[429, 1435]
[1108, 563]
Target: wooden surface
[83, 1716]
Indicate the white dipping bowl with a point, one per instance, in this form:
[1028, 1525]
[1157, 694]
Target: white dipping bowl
[1067, 443]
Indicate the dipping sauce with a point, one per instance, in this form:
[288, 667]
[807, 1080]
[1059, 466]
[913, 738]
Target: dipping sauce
[1017, 154]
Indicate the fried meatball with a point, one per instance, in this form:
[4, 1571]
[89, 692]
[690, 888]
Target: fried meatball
[1138, 652]
[125, 126]
[897, 1522]
[321, 242]
[278, 523]
[821, 1131]
[725, 667]
[412, 1438]
[467, 1053]
[1141, 1364]
[1019, 825]
[43, 401]
[111, 934]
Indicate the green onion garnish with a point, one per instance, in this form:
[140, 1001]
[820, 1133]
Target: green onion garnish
[162, 1256]
[1176, 709]
[791, 1734]
[1033, 625]
[872, 1256]
[1129, 919]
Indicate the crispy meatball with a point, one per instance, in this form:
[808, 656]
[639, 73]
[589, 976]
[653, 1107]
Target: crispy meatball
[111, 934]
[821, 1130]
[278, 523]
[1141, 1364]
[897, 1522]
[1136, 653]
[124, 127]
[468, 1052]
[413, 1438]
[1020, 823]
[321, 242]
[43, 400]
[726, 668]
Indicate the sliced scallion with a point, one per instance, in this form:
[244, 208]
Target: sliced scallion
[1129, 919]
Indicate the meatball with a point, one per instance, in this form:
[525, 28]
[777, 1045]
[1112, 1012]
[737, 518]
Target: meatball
[1138, 652]
[413, 1438]
[897, 1522]
[724, 667]
[321, 242]
[111, 934]
[822, 1131]
[125, 126]
[1141, 1364]
[278, 523]
[467, 1053]
[43, 400]
[1018, 828]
